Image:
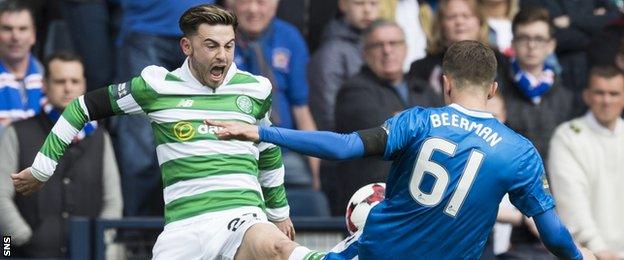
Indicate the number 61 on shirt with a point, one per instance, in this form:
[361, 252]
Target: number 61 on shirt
[424, 165]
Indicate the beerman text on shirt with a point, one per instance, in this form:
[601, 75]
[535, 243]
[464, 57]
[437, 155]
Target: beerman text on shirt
[455, 120]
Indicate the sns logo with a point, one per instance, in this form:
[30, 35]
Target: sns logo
[6, 246]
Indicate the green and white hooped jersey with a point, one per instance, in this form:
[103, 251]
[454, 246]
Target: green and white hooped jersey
[200, 173]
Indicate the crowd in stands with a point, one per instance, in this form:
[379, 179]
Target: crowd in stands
[560, 78]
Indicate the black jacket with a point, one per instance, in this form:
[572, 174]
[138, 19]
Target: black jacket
[365, 101]
[75, 189]
[537, 122]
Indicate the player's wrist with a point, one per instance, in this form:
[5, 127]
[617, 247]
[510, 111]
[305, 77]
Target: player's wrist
[263, 133]
[38, 175]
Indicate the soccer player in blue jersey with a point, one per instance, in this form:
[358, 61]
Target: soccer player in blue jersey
[451, 168]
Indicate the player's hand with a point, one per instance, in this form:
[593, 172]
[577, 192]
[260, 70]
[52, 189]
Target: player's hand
[235, 130]
[25, 183]
[286, 226]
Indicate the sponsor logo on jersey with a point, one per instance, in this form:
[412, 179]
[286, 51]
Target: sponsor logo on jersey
[244, 104]
[185, 103]
[184, 131]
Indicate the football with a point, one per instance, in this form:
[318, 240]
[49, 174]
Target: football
[362, 201]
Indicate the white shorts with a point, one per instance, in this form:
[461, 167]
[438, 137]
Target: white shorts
[215, 235]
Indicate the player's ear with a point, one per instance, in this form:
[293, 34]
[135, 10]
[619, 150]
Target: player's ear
[446, 83]
[492, 90]
[185, 45]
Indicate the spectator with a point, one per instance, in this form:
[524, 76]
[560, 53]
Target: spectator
[499, 14]
[536, 100]
[536, 103]
[20, 71]
[149, 35]
[86, 182]
[370, 97]
[414, 17]
[586, 168]
[338, 58]
[456, 20]
[576, 23]
[270, 47]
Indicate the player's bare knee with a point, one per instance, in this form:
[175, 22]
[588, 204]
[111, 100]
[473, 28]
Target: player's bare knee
[283, 247]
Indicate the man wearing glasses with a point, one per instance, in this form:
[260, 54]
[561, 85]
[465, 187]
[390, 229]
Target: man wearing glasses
[378, 91]
[536, 103]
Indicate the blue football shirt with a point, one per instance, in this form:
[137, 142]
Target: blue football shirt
[451, 168]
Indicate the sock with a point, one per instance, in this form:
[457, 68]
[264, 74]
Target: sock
[299, 253]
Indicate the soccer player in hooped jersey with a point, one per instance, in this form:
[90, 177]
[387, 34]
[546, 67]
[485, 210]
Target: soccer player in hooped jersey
[219, 195]
[452, 166]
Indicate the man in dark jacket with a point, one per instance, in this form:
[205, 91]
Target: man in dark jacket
[86, 182]
[338, 58]
[536, 103]
[370, 97]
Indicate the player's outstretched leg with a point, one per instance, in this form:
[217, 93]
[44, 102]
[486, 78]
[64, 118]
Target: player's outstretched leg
[265, 241]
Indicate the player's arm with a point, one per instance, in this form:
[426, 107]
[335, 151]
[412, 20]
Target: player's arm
[555, 235]
[321, 144]
[529, 195]
[122, 98]
[385, 140]
[327, 145]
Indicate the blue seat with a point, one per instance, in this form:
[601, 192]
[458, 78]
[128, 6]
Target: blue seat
[305, 202]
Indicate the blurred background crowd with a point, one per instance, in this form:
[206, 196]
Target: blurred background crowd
[338, 65]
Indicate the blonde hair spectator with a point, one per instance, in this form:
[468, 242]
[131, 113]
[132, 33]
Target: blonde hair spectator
[450, 14]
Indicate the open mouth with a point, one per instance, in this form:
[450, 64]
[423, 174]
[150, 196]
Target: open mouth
[216, 72]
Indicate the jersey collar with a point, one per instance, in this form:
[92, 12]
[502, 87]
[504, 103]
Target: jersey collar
[474, 113]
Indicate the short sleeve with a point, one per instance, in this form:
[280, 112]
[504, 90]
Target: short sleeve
[528, 191]
[400, 129]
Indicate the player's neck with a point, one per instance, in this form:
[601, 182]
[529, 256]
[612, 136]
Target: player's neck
[470, 101]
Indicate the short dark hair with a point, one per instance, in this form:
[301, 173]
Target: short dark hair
[209, 14]
[532, 15]
[59, 55]
[470, 63]
[15, 6]
[604, 71]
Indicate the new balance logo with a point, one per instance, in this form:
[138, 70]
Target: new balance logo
[185, 103]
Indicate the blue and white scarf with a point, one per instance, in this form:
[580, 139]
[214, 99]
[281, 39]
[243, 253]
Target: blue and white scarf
[23, 98]
[54, 114]
[533, 87]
